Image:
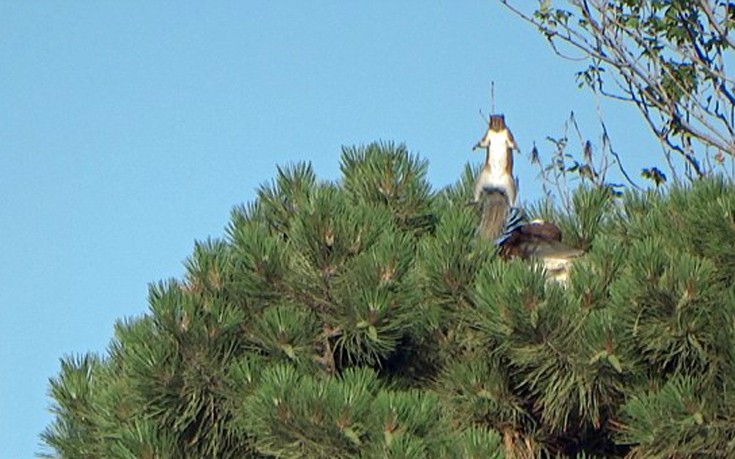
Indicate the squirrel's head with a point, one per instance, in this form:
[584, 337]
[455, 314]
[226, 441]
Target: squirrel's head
[497, 123]
[496, 126]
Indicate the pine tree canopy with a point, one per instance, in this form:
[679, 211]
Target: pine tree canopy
[365, 319]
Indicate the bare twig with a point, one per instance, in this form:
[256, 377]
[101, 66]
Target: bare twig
[668, 59]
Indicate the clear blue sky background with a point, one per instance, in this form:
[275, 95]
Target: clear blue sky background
[130, 129]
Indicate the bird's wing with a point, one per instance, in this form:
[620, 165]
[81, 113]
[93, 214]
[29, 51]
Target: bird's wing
[515, 220]
[535, 240]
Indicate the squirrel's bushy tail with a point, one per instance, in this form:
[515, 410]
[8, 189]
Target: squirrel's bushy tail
[494, 211]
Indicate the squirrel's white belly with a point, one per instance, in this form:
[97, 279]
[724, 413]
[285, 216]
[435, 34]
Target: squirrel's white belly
[498, 158]
[502, 181]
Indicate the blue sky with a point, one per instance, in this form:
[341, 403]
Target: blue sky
[128, 130]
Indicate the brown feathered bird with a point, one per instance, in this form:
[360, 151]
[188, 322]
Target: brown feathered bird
[501, 222]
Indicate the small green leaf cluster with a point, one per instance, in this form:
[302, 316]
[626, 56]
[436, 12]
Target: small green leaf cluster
[364, 319]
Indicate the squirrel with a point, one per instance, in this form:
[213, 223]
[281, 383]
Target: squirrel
[495, 187]
[505, 224]
[497, 173]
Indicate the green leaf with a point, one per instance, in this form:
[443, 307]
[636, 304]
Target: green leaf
[352, 435]
[289, 350]
[600, 355]
[373, 333]
[615, 362]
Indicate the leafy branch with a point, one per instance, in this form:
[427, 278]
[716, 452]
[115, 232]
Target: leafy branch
[668, 58]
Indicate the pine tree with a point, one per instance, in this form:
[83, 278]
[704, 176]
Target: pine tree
[365, 319]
